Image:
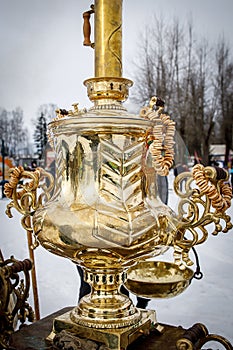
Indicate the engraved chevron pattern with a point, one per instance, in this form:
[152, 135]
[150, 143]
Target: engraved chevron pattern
[121, 216]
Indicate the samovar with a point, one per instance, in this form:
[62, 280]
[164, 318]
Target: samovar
[105, 213]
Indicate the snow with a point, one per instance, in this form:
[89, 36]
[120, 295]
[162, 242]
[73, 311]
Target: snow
[208, 301]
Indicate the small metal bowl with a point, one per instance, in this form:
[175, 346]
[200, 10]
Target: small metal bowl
[157, 279]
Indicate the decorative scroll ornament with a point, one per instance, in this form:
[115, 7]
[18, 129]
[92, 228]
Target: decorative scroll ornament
[205, 196]
[13, 297]
[28, 190]
[161, 141]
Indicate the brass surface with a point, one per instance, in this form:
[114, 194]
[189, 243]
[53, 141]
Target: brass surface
[108, 38]
[196, 212]
[114, 339]
[104, 210]
[105, 201]
[157, 279]
[108, 89]
[108, 92]
[28, 190]
[105, 307]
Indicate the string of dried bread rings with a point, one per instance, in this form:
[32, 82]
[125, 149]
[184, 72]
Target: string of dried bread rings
[220, 197]
[162, 138]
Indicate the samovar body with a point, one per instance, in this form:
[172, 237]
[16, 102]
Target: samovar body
[105, 194]
[104, 212]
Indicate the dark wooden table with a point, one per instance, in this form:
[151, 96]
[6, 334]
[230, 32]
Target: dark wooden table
[32, 337]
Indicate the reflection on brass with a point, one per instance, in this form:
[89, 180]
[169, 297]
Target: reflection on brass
[157, 279]
[105, 307]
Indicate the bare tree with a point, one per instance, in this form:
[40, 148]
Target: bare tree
[201, 104]
[13, 131]
[48, 110]
[224, 94]
[157, 63]
[173, 65]
[4, 126]
[18, 132]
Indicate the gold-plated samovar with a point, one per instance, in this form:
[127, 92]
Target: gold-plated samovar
[105, 213]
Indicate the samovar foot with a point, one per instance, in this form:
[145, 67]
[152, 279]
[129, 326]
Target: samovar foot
[111, 338]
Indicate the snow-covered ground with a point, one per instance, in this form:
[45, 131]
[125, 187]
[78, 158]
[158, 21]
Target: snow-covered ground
[209, 301]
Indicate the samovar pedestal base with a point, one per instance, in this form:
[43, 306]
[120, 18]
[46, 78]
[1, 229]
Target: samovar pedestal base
[112, 338]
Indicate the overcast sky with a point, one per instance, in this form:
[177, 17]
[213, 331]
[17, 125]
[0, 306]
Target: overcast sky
[42, 59]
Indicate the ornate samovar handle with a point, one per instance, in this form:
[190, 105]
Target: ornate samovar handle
[22, 189]
[205, 196]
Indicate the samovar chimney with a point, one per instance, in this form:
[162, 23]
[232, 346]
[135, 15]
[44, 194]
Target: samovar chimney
[107, 89]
